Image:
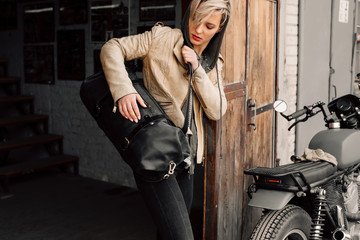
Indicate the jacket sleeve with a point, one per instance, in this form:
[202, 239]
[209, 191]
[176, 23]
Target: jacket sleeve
[207, 91]
[115, 52]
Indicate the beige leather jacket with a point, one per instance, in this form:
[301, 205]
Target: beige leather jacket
[165, 75]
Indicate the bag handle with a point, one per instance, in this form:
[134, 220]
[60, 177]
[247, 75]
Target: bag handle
[189, 104]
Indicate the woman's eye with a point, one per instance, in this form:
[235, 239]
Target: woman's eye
[208, 27]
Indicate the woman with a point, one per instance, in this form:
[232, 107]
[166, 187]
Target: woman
[166, 53]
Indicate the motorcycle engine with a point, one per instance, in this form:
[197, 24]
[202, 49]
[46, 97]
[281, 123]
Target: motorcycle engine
[346, 195]
[351, 202]
[351, 197]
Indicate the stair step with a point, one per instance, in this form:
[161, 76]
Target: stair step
[37, 164]
[29, 141]
[23, 119]
[7, 80]
[16, 99]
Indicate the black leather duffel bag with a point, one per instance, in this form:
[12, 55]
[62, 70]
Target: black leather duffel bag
[154, 146]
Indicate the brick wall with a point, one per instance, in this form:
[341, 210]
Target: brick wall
[288, 61]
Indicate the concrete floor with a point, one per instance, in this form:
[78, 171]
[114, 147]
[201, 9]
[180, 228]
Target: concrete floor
[57, 206]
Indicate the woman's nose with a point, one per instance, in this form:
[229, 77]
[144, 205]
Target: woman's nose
[199, 28]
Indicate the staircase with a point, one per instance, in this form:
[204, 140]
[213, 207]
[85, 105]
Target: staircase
[26, 146]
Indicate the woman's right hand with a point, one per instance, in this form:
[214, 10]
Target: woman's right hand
[128, 107]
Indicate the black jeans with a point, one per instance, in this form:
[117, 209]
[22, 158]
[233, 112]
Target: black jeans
[169, 203]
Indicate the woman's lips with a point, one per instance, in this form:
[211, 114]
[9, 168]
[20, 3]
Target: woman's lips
[196, 38]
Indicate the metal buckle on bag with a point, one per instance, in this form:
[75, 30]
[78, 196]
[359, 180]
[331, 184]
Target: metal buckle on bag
[172, 166]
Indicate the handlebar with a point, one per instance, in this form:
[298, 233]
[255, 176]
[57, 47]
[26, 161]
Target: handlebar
[343, 112]
[308, 111]
[298, 113]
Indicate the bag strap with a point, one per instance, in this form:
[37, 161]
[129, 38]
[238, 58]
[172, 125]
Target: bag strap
[221, 129]
[189, 104]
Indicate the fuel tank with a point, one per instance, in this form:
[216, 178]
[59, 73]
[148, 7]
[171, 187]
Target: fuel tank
[344, 144]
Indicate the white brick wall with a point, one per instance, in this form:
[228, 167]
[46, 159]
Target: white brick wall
[82, 137]
[288, 60]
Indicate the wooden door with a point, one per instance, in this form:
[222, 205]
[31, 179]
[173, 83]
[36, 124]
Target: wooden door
[249, 50]
[261, 82]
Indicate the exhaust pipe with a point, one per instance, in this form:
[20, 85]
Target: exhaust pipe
[341, 234]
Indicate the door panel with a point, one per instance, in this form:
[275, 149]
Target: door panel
[260, 80]
[224, 183]
[261, 84]
[249, 51]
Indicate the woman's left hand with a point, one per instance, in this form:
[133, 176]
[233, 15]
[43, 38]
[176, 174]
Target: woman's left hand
[190, 56]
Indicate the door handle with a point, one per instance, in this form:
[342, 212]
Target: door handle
[252, 107]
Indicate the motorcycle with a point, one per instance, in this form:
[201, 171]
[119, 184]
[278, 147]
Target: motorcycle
[313, 199]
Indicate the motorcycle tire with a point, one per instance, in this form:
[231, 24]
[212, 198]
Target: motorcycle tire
[289, 223]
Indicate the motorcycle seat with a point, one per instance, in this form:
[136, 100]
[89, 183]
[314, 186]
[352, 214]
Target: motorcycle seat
[293, 177]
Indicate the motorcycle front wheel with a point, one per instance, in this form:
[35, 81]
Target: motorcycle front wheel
[289, 223]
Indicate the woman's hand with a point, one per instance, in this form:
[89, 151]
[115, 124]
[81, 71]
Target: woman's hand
[190, 56]
[129, 108]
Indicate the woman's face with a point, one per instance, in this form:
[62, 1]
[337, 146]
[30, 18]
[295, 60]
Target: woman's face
[201, 34]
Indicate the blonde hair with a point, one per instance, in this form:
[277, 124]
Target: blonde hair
[200, 10]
